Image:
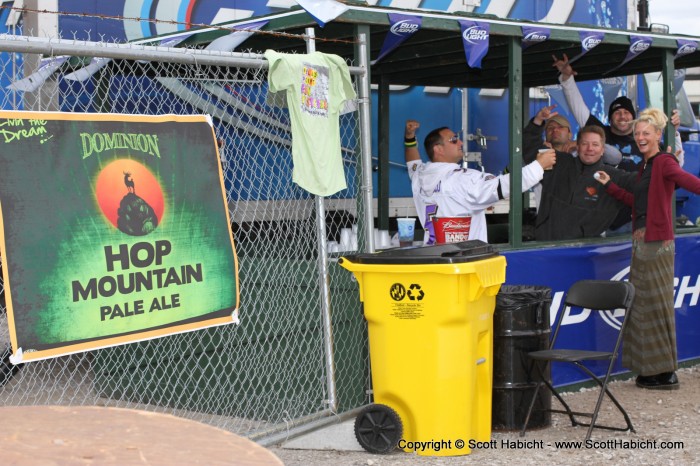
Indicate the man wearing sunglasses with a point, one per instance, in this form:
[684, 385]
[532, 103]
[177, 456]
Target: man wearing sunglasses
[442, 188]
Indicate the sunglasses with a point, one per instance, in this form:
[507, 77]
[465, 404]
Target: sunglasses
[453, 140]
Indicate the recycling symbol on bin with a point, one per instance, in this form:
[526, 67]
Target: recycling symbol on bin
[415, 293]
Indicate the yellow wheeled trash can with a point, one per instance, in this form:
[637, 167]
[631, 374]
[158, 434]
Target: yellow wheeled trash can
[430, 323]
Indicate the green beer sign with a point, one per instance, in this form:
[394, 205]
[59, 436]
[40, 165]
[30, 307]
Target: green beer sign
[114, 229]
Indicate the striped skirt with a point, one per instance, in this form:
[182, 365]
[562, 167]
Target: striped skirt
[649, 343]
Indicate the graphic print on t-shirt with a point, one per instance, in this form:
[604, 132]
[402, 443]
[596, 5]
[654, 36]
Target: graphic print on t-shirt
[314, 90]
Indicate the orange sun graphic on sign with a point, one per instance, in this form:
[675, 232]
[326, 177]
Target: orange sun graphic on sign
[126, 178]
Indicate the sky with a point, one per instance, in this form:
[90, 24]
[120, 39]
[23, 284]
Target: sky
[683, 16]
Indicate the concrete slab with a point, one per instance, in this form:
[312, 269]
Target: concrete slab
[339, 437]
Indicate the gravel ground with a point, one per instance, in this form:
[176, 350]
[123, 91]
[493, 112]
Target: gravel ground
[658, 417]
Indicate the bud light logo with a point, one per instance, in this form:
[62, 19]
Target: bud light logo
[685, 49]
[639, 46]
[535, 37]
[475, 39]
[404, 27]
[475, 34]
[612, 318]
[590, 42]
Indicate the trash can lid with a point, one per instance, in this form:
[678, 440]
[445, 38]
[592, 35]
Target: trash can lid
[450, 253]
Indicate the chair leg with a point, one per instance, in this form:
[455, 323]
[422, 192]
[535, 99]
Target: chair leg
[594, 417]
[604, 391]
[529, 410]
[630, 427]
[567, 410]
[543, 380]
[550, 387]
[603, 384]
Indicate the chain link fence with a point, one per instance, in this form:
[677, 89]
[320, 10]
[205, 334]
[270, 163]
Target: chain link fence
[285, 365]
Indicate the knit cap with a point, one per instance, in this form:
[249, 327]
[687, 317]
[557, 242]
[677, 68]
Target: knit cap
[621, 102]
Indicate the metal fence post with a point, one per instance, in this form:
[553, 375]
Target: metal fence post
[323, 273]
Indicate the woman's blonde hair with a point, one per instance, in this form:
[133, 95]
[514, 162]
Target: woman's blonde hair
[653, 116]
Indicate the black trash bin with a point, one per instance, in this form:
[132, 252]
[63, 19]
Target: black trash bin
[520, 325]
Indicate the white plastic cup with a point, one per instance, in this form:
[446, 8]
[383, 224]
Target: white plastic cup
[406, 231]
[545, 150]
[384, 239]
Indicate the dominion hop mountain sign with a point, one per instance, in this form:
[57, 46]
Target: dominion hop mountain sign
[114, 229]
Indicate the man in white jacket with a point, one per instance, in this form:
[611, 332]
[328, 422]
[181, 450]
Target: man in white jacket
[442, 188]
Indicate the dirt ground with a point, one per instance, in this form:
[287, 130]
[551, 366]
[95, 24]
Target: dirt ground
[666, 423]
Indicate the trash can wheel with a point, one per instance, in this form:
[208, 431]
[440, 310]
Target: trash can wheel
[378, 428]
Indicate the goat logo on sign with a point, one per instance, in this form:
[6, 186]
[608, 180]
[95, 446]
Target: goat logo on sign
[135, 215]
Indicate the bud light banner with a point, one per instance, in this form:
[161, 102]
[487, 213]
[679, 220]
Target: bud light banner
[685, 47]
[559, 267]
[402, 27]
[534, 35]
[475, 37]
[589, 41]
[115, 229]
[638, 45]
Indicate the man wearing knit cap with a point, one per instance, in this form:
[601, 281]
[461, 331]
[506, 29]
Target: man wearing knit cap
[621, 114]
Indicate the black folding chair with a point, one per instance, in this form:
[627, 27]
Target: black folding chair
[598, 296]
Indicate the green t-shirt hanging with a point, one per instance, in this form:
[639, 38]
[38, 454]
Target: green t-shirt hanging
[316, 86]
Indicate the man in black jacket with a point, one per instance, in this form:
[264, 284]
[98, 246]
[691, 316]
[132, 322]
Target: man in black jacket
[573, 205]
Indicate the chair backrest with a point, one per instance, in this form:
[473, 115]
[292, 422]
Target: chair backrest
[601, 295]
[597, 295]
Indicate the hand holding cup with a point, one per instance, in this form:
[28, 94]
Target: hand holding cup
[547, 158]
